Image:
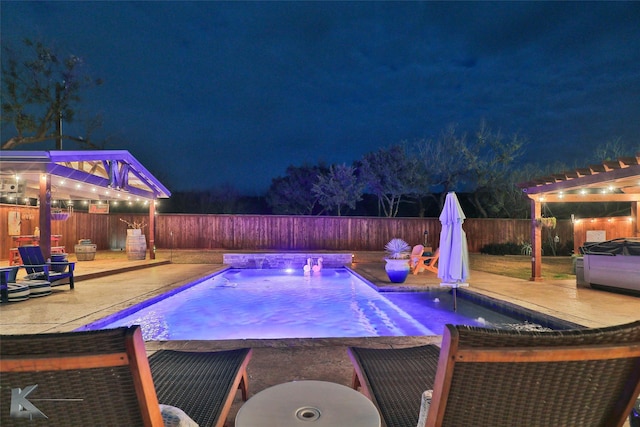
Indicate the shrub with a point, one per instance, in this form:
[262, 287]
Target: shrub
[561, 249]
[501, 249]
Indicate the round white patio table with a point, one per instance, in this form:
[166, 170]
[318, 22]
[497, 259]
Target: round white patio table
[310, 404]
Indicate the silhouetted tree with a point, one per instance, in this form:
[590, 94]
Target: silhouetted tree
[40, 89]
[292, 194]
[388, 175]
[338, 188]
[490, 158]
[611, 150]
[444, 163]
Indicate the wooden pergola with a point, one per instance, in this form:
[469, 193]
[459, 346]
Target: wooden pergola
[94, 175]
[610, 181]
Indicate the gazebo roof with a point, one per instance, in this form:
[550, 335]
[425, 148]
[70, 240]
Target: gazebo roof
[617, 180]
[79, 175]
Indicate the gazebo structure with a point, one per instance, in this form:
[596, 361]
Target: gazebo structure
[612, 181]
[101, 175]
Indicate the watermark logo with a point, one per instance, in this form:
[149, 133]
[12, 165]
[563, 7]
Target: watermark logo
[21, 407]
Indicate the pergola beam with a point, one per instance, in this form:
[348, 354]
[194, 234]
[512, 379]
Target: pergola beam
[553, 185]
[588, 198]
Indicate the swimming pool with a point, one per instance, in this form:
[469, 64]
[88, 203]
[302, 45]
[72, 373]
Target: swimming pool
[255, 303]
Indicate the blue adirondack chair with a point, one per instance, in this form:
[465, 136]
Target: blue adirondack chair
[39, 269]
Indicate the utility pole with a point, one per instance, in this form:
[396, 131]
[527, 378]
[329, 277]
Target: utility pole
[59, 121]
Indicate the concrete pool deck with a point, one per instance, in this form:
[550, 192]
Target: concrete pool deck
[105, 286]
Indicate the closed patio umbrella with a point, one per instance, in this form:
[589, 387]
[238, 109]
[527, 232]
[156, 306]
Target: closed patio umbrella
[453, 266]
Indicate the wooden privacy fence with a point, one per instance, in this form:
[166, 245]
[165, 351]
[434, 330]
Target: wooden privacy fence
[246, 232]
[605, 228]
[269, 232]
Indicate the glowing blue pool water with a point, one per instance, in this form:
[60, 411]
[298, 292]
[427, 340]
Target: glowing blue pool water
[274, 304]
[243, 304]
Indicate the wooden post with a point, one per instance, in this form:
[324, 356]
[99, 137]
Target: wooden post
[635, 219]
[45, 215]
[536, 242]
[152, 229]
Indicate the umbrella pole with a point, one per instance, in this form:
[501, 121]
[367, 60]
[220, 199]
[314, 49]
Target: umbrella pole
[455, 302]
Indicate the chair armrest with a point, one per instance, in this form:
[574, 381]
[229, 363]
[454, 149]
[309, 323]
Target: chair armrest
[71, 265]
[31, 276]
[62, 266]
[425, 404]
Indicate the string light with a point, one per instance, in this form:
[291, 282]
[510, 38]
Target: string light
[610, 219]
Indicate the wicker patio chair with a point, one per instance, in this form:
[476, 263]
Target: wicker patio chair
[491, 377]
[103, 378]
[204, 385]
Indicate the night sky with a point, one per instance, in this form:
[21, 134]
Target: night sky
[210, 93]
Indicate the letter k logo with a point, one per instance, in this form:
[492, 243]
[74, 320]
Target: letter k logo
[21, 407]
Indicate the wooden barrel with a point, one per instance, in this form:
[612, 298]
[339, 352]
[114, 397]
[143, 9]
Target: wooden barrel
[85, 252]
[136, 246]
